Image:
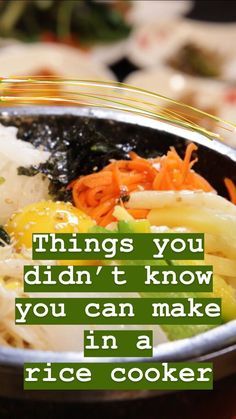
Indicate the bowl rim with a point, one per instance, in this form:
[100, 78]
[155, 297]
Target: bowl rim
[223, 336]
[204, 344]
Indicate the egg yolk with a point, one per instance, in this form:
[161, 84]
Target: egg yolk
[46, 217]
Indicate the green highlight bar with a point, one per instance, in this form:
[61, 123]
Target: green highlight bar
[118, 311]
[118, 343]
[38, 278]
[119, 376]
[136, 246]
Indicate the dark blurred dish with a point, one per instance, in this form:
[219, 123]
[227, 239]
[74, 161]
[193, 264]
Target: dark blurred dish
[196, 48]
[197, 61]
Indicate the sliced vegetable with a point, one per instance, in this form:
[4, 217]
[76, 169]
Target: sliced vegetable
[222, 265]
[175, 332]
[207, 220]
[161, 199]
[120, 213]
[215, 244]
[184, 331]
[98, 229]
[134, 226]
[221, 289]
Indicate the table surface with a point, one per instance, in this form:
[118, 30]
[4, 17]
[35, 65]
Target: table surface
[219, 403]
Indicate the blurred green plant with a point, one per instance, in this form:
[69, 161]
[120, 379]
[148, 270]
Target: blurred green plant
[84, 21]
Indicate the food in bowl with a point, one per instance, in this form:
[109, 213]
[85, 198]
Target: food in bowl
[84, 182]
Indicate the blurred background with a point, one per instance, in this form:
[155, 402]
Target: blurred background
[182, 49]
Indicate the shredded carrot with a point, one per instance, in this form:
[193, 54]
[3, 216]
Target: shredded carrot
[138, 213]
[98, 193]
[231, 188]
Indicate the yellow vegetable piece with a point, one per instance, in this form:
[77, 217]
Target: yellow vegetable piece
[46, 217]
[228, 296]
[221, 289]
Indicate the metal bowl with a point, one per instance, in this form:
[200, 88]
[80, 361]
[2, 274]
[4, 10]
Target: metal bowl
[216, 161]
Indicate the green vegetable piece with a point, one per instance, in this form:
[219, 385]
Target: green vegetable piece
[221, 289]
[176, 332]
[134, 226]
[98, 229]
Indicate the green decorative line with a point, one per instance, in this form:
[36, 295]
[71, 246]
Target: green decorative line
[110, 99]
